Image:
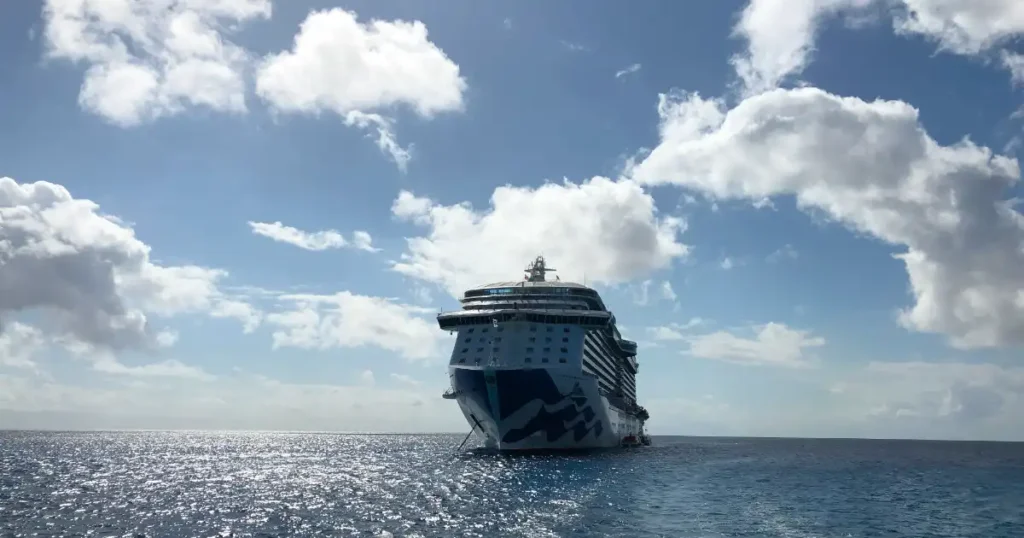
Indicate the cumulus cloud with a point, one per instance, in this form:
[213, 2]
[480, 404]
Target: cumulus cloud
[770, 344]
[780, 34]
[147, 59]
[360, 69]
[347, 320]
[89, 275]
[873, 168]
[962, 26]
[608, 230]
[320, 240]
[780, 38]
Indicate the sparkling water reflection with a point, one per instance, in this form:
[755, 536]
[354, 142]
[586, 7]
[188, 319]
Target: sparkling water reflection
[158, 484]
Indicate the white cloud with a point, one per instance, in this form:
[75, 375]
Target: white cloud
[667, 292]
[772, 344]
[674, 331]
[642, 292]
[1015, 63]
[608, 230]
[19, 343]
[347, 320]
[780, 37]
[785, 252]
[727, 263]
[360, 69]
[367, 379]
[627, 71]
[780, 33]
[148, 59]
[89, 275]
[167, 338]
[872, 167]
[320, 240]
[963, 26]
[167, 368]
[386, 141]
[961, 400]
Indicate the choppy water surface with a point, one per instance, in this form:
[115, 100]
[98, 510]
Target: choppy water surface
[173, 484]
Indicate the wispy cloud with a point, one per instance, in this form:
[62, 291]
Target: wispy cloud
[574, 47]
[316, 241]
[627, 71]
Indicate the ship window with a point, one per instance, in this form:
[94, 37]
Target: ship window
[564, 350]
[479, 349]
[565, 339]
[500, 329]
[562, 360]
[469, 330]
[565, 330]
[497, 339]
[545, 359]
[547, 349]
[528, 359]
[533, 338]
[495, 348]
[478, 360]
[465, 349]
[550, 329]
[548, 339]
[483, 330]
[533, 328]
[463, 360]
[468, 340]
[529, 350]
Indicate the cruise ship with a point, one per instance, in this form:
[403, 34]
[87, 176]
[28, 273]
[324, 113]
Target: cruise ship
[539, 364]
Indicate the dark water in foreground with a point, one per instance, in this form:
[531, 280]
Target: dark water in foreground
[273, 484]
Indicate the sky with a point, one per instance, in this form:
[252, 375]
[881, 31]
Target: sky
[246, 214]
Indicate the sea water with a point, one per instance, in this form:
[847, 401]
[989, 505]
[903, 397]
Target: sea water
[197, 484]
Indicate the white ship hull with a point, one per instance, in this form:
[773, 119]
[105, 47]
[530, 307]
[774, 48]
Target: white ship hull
[540, 409]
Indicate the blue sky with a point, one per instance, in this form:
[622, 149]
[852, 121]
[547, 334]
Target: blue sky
[797, 150]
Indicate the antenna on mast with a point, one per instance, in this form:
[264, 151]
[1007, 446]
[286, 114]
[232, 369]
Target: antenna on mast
[535, 271]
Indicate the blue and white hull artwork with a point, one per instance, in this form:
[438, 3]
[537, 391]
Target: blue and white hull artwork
[533, 409]
[539, 365]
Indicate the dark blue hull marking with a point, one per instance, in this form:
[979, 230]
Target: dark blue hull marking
[518, 388]
[471, 383]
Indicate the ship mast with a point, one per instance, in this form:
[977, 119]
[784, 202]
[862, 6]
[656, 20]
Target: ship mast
[536, 270]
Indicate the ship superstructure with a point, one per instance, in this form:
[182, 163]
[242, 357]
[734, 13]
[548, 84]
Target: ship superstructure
[540, 364]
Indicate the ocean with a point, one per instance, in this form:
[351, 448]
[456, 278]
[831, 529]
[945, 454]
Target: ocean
[205, 484]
